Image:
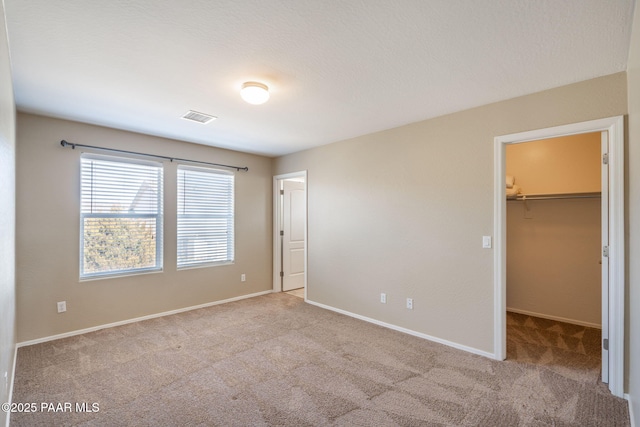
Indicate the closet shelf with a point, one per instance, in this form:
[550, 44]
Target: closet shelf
[523, 197]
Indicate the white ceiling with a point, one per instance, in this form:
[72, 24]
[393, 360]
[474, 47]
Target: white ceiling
[336, 68]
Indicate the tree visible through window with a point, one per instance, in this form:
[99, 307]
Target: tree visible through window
[121, 216]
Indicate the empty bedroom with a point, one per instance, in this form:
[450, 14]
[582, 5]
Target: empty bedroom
[233, 213]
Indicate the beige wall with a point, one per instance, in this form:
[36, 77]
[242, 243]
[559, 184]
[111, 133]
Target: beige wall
[553, 254]
[633, 201]
[48, 233]
[570, 164]
[7, 220]
[403, 211]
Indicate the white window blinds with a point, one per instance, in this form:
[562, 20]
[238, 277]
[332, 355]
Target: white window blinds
[205, 216]
[121, 216]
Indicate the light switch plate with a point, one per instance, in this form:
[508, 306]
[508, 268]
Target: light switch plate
[486, 242]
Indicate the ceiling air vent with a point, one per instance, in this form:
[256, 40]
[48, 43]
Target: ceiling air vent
[194, 116]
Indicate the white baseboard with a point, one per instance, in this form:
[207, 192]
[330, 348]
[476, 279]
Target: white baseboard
[556, 318]
[11, 382]
[405, 330]
[138, 319]
[631, 414]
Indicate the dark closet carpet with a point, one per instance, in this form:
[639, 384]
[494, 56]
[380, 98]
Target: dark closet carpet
[274, 360]
[571, 350]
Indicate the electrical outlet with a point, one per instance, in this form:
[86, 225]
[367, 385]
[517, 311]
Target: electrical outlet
[62, 306]
[243, 277]
[410, 303]
[383, 298]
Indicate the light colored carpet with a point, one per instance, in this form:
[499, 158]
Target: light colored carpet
[274, 360]
[296, 292]
[570, 350]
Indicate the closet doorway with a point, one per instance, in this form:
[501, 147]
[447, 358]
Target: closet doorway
[554, 206]
[555, 267]
[290, 231]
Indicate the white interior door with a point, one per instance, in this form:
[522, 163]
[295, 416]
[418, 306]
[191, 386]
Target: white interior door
[605, 257]
[293, 223]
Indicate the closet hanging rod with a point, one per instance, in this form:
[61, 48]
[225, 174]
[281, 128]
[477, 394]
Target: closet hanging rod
[525, 197]
[73, 146]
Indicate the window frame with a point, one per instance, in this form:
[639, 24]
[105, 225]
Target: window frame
[230, 241]
[159, 217]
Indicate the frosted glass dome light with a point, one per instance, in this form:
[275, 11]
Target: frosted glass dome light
[254, 93]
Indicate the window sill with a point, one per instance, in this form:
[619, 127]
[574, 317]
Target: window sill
[207, 265]
[118, 275]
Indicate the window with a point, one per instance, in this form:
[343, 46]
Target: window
[120, 216]
[205, 216]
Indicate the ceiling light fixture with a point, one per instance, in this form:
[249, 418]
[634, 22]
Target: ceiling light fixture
[254, 93]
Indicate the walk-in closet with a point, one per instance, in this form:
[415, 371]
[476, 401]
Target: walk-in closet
[554, 244]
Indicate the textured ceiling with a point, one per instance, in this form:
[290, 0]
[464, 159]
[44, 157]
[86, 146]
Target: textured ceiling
[336, 68]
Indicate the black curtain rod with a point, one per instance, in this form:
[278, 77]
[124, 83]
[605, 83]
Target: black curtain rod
[73, 146]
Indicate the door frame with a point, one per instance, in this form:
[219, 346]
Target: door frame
[277, 215]
[615, 128]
